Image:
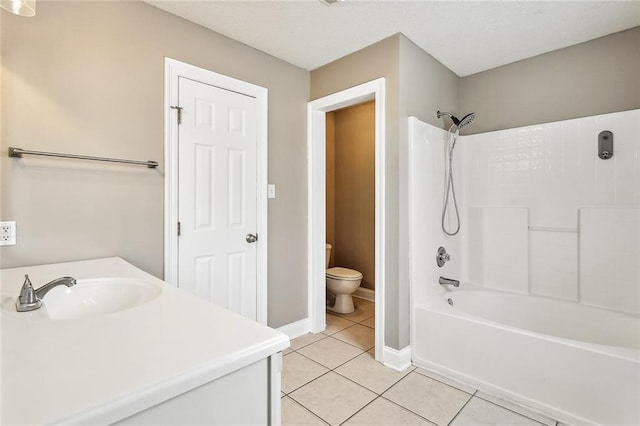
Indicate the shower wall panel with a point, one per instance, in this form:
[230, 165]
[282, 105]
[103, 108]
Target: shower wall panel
[553, 170]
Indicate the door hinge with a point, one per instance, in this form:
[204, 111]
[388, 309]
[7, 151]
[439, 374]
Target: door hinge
[179, 228]
[179, 113]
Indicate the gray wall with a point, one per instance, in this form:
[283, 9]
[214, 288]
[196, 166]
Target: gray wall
[596, 77]
[417, 85]
[378, 60]
[426, 86]
[88, 77]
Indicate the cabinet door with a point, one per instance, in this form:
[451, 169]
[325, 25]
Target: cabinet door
[240, 397]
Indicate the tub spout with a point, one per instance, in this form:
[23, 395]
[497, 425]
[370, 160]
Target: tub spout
[449, 281]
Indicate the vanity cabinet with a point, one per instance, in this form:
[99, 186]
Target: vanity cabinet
[242, 397]
[171, 359]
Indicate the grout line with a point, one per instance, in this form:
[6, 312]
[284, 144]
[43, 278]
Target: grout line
[315, 341]
[312, 380]
[340, 316]
[350, 344]
[401, 379]
[329, 370]
[380, 393]
[462, 408]
[338, 366]
[359, 384]
[396, 382]
[444, 383]
[312, 413]
[356, 321]
[365, 406]
[513, 411]
[408, 409]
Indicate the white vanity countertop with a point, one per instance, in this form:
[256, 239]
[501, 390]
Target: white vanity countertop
[102, 369]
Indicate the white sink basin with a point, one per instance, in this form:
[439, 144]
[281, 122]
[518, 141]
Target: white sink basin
[95, 297]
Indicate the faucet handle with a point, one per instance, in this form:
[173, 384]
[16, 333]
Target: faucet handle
[28, 300]
[442, 257]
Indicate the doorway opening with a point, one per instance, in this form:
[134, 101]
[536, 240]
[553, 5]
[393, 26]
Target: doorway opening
[317, 231]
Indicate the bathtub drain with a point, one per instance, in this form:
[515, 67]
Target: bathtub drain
[450, 301]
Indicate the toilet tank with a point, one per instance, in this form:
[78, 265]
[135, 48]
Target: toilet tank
[328, 255]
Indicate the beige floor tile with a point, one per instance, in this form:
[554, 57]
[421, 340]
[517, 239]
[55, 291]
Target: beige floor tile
[358, 335]
[546, 420]
[481, 412]
[429, 398]
[336, 323]
[307, 339]
[298, 370]
[368, 372]
[295, 414]
[364, 310]
[384, 412]
[333, 398]
[365, 305]
[330, 352]
[286, 351]
[371, 322]
[446, 380]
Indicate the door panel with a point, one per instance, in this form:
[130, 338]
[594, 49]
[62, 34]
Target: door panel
[217, 196]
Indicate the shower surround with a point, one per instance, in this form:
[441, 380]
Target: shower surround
[548, 228]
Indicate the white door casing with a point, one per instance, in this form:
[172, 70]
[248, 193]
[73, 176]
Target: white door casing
[216, 188]
[316, 145]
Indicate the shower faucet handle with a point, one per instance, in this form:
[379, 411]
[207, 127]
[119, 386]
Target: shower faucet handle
[442, 257]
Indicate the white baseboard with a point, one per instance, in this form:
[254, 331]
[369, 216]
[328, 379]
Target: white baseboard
[296, 329]
[365, 293]
[399, 360]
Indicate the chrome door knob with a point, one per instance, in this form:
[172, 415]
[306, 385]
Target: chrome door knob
[252, 238]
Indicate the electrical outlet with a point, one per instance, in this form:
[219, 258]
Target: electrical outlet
[8, 233]
[271, 191]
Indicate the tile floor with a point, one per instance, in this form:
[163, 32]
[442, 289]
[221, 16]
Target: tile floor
[332, 378]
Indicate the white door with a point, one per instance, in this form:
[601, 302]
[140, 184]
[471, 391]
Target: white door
[217, 195]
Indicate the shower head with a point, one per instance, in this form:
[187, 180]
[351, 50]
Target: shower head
[460, 124]
[466, 120]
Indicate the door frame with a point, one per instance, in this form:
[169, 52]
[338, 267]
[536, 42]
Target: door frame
[316, 148]
[173, 71]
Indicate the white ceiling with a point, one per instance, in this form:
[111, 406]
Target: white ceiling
[466, 36]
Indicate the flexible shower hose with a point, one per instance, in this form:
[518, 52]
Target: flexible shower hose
[450, 189]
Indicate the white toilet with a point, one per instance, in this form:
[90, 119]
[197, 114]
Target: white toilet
[342, 282]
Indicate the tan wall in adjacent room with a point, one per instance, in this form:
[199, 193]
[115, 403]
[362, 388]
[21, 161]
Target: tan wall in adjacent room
[354, 194]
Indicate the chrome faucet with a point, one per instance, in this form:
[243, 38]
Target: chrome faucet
[449, 281]
[30, 299]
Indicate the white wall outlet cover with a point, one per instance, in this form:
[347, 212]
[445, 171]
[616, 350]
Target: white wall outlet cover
[7, 233]
[271, 191]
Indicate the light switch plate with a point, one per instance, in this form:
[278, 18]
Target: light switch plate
[8, 233]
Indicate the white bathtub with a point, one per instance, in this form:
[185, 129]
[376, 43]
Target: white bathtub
[578, 364]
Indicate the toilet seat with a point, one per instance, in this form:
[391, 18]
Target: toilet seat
[345, 274]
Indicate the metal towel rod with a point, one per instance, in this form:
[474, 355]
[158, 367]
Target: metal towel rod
[18, 153]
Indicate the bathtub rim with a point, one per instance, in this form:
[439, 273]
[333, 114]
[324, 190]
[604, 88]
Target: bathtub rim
[441, 306]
